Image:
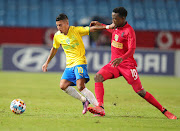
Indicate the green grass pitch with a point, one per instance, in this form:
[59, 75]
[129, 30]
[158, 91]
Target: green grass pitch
[49, 108]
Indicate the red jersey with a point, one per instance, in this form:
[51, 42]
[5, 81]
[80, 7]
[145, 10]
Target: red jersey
[123, 38]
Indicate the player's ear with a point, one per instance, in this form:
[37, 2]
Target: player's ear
[124, 18]
[67, 21]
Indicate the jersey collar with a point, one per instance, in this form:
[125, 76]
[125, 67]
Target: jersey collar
[123, 26]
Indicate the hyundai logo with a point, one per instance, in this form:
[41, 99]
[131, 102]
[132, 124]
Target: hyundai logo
[31, 59]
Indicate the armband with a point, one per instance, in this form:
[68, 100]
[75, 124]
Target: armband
[107, 26]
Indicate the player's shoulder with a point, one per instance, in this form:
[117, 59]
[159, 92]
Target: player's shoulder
[129, 28]
[57, 33]
[74, 28]
[79, 27]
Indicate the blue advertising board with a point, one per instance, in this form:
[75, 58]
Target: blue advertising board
[31, 59]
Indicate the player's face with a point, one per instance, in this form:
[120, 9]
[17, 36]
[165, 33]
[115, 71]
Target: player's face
[117, 20]
[62, 26]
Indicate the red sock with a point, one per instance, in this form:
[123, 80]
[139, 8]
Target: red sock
[148, 97]
[99, 91]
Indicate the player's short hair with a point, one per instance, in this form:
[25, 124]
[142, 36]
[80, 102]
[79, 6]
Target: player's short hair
[61, 16]
[121, 11]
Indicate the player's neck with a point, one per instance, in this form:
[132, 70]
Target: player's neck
[124, 23]
[67, 31]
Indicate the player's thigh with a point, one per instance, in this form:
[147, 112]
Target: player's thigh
[81, 74]
[107, 72]
[129, 73]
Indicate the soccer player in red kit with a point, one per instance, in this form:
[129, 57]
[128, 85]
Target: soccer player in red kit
[123, 45]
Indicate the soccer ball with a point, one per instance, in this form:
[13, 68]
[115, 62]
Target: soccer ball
[18, 106]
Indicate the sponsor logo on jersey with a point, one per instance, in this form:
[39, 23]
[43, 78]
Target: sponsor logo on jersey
[71, 46]
[116, 37]
[117, 44]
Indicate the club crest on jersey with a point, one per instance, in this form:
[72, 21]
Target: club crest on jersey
[122, 34]
[116, 37]
[68, 41]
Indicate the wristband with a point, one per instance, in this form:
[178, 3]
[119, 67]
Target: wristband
[107, 26]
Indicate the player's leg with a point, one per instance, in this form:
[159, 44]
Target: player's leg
[107, 72]
[84, 91]
[150, 98]
[146, 95]
[99, 91]
[82, 77]
[99, 87]
[67, 81]
[132, 77]
[70, 90]
[87, 93]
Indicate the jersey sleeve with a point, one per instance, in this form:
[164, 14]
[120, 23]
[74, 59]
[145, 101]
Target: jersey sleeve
[131, 39]
[83, 30]
[56, 44]
[109, 30]
[129, 53]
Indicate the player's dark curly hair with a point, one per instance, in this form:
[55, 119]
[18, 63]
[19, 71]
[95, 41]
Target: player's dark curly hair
[61, 17]
[121, 10]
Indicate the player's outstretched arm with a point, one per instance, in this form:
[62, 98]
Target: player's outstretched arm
[51, 55]
[95, 26]
[95, 23]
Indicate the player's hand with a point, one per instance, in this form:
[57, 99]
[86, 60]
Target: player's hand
[112, 26]
[95, 23]
[116, 62]
[44, 67]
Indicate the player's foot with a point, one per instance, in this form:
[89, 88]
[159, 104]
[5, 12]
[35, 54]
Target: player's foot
[169, 115]
[97, 110]
[85, 107]
[97, 115]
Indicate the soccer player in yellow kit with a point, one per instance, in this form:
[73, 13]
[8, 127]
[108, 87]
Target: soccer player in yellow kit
[75, 73]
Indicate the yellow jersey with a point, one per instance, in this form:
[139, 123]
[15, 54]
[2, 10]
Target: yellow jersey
[72, 45]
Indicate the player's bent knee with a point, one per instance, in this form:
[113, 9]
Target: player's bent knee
[98, 78]
[80, 88]
[80, 83]
[142, 93]
[62, 87]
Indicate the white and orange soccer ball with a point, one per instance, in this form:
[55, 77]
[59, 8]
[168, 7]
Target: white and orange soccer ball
[18, 106]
